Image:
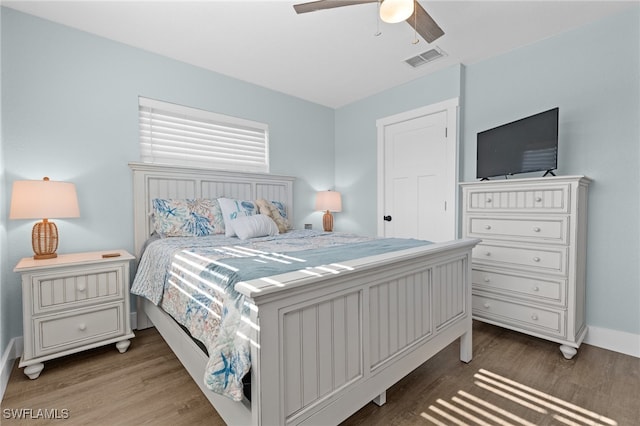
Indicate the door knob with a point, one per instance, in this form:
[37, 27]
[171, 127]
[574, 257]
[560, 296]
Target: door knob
[387, 218]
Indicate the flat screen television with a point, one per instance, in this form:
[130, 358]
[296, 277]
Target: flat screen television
[526, 145]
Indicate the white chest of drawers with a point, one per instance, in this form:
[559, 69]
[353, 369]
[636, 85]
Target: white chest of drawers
[529, 270]
[72, 303]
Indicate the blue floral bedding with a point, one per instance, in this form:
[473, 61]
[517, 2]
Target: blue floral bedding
[193, 280]
[175, 273]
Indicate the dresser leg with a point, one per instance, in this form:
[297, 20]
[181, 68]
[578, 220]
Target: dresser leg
[568, 351]
[123, 345]
[33, 371]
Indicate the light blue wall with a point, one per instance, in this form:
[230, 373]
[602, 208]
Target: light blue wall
[4, 323]
[356, 143]
[593, 75]
[69, 111]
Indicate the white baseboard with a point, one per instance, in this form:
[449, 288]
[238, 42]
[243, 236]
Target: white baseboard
[134, 320]
[13, 351]
[614, 340]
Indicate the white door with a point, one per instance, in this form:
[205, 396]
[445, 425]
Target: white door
[418, 174]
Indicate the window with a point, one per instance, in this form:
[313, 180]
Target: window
[179, 135]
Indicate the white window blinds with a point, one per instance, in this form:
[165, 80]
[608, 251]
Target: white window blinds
[179, 135]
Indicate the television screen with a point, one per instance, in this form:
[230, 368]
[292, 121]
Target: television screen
[526, 145]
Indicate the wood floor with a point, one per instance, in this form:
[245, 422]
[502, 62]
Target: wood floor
[147, 385]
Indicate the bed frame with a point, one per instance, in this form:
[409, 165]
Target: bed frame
[325, 343]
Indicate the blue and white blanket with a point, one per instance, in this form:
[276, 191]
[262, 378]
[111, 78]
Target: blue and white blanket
[193, 280]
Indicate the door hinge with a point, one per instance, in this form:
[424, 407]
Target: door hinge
[446, 132]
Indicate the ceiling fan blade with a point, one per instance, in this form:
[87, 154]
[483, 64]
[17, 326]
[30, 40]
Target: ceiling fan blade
[327, 4]
[424, 24]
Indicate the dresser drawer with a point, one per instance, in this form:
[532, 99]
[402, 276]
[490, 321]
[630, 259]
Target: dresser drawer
[523, 198]
[56, 333]
[537, 289]
[539, 259]
[77, 287]
[522, 316]
[547, 230]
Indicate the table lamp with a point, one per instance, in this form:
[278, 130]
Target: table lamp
[328, 201]
[44, 199]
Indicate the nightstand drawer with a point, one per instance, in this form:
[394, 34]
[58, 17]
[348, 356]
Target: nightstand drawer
[534, 198]
[547, 230]
[537, 289]
[77, 287]
[77, 328]
[547, 321]
[540, 259]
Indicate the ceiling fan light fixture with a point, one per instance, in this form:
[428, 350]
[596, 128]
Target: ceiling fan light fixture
[394, 11]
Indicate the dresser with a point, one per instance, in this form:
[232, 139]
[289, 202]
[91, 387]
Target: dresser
[72, 303]
[528, 273]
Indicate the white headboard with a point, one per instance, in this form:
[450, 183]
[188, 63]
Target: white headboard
[159, 181]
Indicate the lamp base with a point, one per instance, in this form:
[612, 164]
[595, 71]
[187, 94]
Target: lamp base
[327, 222]
[44, 240]
[45, 256]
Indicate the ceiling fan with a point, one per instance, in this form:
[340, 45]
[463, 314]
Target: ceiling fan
[391, 11]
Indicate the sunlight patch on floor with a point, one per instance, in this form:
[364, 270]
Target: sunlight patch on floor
[468, 409]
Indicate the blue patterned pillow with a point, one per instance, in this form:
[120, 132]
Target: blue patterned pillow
[187, 217]
[281, 209]
[233, 209]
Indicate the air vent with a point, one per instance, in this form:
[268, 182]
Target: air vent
[424, 57]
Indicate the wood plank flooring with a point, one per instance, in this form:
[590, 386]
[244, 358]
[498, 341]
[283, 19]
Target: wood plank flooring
[148, 385]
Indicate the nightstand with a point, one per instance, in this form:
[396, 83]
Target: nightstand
[72, 303]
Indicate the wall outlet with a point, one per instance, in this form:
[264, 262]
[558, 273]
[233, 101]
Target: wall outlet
[308, 226]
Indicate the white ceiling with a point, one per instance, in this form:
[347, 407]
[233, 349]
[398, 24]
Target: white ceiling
[330, 57]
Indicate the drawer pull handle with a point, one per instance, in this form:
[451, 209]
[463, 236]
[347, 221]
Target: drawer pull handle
[82, 287]
[536, 229]
[534, 317]
[486, 305]
[489, 199]
[488, 253]
[82, 327]
[536, 288]
[538, 199]
[487, 279]
[536, 259]
[487, 227]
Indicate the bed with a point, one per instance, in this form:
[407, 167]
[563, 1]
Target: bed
[325, 343]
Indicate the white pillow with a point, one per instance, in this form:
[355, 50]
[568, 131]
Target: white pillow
[233, 209]
[258, 225]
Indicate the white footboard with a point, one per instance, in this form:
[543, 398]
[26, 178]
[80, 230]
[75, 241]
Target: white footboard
[329, 343]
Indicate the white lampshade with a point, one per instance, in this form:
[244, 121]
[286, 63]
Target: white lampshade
[393, 11]
[40, 199]
[329, 200]
[43, 199]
